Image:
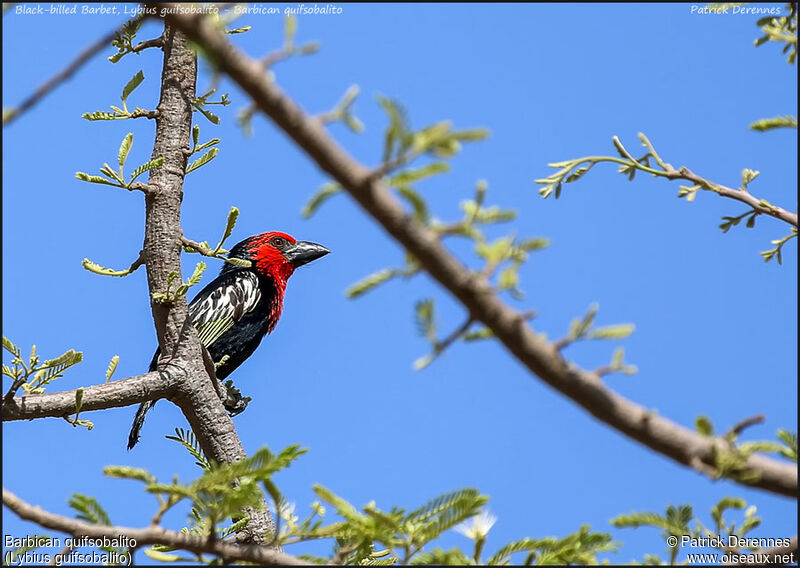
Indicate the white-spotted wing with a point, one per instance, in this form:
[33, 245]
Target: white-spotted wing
[216, 313]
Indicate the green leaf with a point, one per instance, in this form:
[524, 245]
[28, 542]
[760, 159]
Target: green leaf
[790, 439]
[495, 252]
[196, 276]
[127, 472]
[509, 278]
[233, 215]
[238, 262]
[159, 556]
[78, 401]
[324, 193]
[749, 175]
[619, 331]
[89, 509]
[152, 164]
[132, 84]
[203, 146]
[112, 366]
[579, 328]
[525, 545]
[202, 160]
[578, 173]
[289, 30]
[124, 149]
[68, 359]
[9, 346]
[536, 243]
[704, 426]
[372, 281]
[426, 325]
[416, 201]
[97, 269]
[482, 333]
[772, 123]
[422, 362]
[410, 176]
[344, 508]
[107, 171]
[210, 116]
[100, 115]
[187, 439]
[442, 504]
[471, 135]
[95, 179]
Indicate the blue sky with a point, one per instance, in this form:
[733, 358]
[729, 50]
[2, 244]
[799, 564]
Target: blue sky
[715, 326]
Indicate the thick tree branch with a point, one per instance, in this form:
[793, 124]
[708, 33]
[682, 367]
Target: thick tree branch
[195, 394]
[509, 326]
[262, 555]
[133, 390]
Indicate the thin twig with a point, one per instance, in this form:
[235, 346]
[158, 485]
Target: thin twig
[151, 535]
[276, 56]
[59, 78]
[155, 42]
[440, 346]
[758, 205]
[9, 396]
[201, 249]
[737, 428]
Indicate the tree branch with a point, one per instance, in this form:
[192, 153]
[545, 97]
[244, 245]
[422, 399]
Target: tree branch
[759, 205]
[124, 392]
[58, 78]
[151, 535]
[196, 394]
[539, 356]
[155, 42]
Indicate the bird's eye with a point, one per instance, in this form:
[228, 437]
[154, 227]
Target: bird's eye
[278, 242]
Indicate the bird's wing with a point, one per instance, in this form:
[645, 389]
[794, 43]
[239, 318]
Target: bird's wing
[223, 303]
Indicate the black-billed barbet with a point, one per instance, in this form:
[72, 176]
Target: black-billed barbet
[234, 312]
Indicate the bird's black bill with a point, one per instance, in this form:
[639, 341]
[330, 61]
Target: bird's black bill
[303, 252]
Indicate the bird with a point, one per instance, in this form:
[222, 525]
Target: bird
[234, 312]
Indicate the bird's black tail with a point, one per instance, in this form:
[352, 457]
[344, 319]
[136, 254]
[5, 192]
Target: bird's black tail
[138, 422]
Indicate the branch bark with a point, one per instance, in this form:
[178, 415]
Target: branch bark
[133, 390]
[759, 205]
[540, 357]
[195, 393]
[262, 555]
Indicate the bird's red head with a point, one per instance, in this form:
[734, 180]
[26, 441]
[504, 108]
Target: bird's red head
[277, 254]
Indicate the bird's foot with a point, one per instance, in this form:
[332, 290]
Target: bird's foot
[234, 402]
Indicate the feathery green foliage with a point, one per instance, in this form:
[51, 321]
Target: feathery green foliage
[33, 375]
[122, 113]
[781, 29]
[188, 440]
[124, 39]
[680, 522]
[182, 288]
[116, 178]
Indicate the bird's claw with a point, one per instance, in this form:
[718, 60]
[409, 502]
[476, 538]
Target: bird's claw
[234, 402]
